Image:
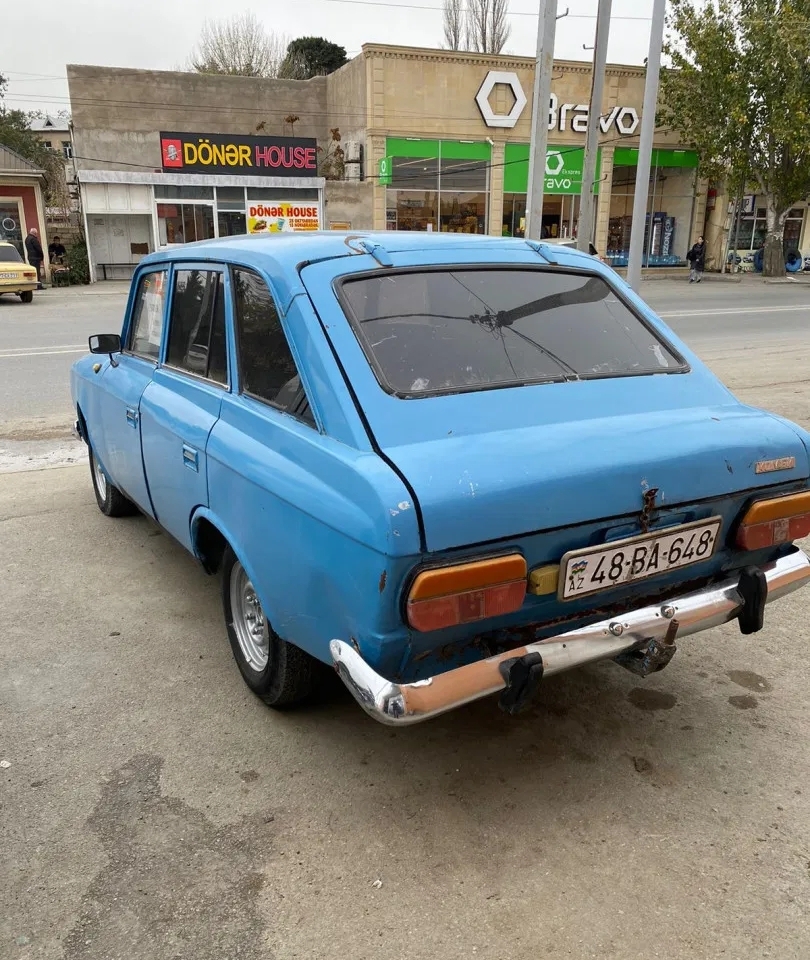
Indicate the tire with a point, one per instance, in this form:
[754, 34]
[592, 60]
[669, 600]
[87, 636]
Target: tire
[111, 502]
[27, 296]
[278, 672]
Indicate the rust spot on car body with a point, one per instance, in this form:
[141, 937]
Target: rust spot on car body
[383, 579]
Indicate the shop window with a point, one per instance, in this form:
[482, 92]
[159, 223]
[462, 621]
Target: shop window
[197, 325]
[668, 226]
[463, 175]
[281, 193]
[231, 224]
[463, 212]
[514, 215]
[412, 210]
[185, 222]
[415, 173]
[266, 364]
[448, 194]
[171, 191]
[231, 198]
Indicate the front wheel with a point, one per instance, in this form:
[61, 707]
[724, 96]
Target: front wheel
[111, 502]
[278, 672]
[27, 296]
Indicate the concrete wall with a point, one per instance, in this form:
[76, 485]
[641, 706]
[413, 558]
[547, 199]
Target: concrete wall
[346, 99]
[349, 202]
[118, 113]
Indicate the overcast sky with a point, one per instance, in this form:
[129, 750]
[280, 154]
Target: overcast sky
[36, 43]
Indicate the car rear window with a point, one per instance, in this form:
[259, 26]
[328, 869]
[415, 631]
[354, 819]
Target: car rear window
[457, 330]
[9, 254]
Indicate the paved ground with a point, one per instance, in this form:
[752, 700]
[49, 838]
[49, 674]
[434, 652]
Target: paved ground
[153, 809]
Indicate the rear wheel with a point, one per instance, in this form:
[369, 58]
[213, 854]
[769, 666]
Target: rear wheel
[278, 672]
[111, 502]
[27, 296]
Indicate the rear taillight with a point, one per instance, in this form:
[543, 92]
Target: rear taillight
[771, 522]
[447, 596]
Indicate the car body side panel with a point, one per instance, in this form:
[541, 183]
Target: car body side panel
[177, 414]
[328, 530]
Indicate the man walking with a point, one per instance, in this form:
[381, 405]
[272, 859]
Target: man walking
[35, 255]
[697, 261]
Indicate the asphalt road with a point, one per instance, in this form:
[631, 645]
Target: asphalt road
[39, 341]
[152, 809]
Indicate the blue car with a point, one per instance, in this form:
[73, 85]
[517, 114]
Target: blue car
[449, 466]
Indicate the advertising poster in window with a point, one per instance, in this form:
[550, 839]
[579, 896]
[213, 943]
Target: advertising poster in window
[283, 217]
[154, 293]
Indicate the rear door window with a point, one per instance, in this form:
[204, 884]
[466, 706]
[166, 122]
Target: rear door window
[197, 325]
[456, 330]
[266, 365]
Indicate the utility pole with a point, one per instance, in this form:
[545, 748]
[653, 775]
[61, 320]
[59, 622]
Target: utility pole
[543, 68]
[586, 203]
[645, 145]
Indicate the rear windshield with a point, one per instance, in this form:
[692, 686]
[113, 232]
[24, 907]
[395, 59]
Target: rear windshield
[456, 330]
[9, 254]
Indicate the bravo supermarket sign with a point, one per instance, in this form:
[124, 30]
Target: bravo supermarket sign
[283, 216]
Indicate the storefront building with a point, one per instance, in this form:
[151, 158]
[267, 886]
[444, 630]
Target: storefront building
[209, 186]
[21, 201]
[430, 140]
[455, 149]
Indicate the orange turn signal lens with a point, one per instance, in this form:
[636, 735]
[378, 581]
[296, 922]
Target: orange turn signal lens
[465, 592]
[771, 522]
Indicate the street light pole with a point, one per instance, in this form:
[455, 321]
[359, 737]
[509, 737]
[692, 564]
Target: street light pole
[586, 203]
[543, 68]
[645, 145]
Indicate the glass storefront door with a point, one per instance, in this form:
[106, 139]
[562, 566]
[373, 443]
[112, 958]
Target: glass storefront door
[11, 229]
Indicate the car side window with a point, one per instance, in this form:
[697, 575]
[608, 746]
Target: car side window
[267, 367]
[197, 325]
[147, 315]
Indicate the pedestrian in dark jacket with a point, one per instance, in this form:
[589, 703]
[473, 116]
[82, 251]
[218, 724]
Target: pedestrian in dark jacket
[36, 257]
[697, 261]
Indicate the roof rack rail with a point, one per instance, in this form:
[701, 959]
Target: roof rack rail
[378, 251]
[544, 249]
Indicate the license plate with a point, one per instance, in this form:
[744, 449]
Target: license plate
[638, 558]
[8, 276]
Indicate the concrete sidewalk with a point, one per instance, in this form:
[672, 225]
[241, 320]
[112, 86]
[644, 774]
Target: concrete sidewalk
[154, 809]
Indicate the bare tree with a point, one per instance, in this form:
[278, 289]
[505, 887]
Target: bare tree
[239, 46]
[486, 28]
[453, 24]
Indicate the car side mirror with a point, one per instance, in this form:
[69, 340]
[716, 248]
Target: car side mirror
[106, 343]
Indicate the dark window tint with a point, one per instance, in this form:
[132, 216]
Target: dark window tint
[457, 330]
[9, 254]
[197, 325]
[267, 366]
[147, 315]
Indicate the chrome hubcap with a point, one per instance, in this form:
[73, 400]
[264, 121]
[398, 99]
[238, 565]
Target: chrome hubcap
[249, 622]
[101, 480]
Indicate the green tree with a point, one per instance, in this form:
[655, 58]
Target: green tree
[311, 57]
[16, 134]
[739, 90]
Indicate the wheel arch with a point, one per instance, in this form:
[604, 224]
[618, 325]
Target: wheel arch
[209, 539]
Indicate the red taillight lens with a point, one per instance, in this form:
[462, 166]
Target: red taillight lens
[771, 522]
[466, 592]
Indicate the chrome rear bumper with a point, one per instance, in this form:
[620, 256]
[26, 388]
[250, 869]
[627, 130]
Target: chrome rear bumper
[399, 704]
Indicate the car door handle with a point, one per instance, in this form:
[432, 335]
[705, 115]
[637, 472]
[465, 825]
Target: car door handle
[132, 416]
[191, 458]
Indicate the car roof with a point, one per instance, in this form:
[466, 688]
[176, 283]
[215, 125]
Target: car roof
[282, 254]
[291, 249]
